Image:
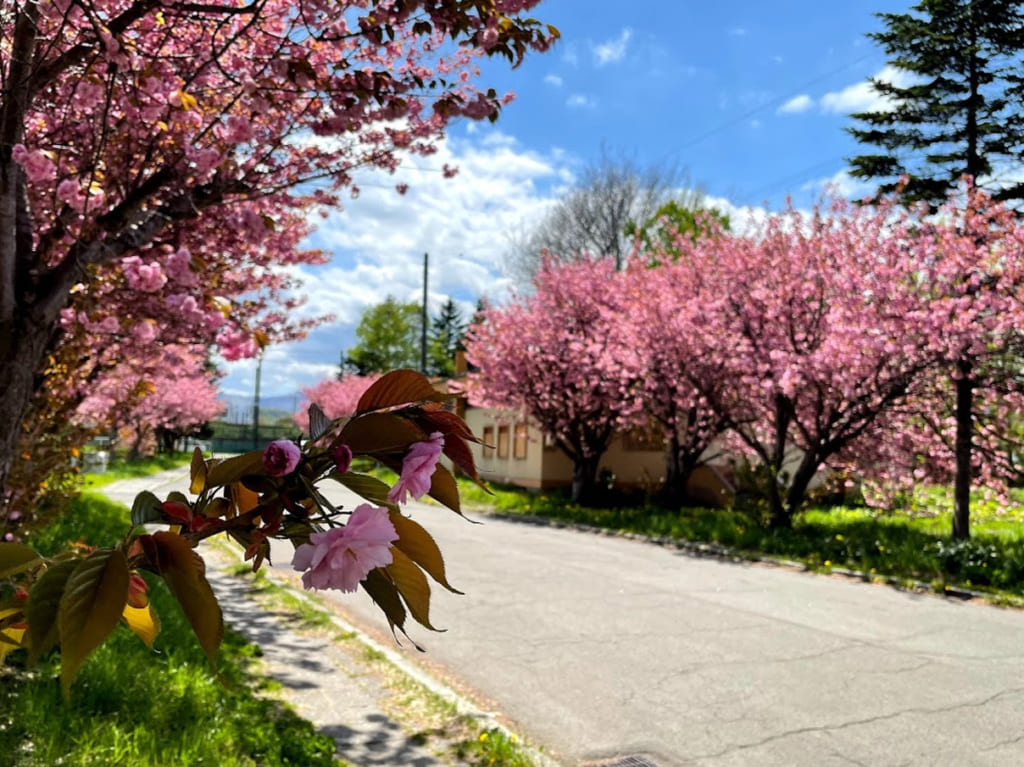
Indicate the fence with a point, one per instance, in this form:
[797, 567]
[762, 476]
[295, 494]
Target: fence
[242, 437]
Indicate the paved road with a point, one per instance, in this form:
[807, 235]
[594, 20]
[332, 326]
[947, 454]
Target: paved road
[598, 647]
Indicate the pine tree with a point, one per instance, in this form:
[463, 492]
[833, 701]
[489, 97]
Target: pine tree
[961, 114]
[447, 331]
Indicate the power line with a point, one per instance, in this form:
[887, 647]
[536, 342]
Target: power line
[773, 102]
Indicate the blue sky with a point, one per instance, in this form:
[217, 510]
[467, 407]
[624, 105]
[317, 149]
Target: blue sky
[748, 100]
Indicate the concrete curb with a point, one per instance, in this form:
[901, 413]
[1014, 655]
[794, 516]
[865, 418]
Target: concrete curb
[729, 554]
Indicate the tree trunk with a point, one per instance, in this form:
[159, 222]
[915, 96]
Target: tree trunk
[584, 480]
[675, 482]
[22, 348]
[801, 481]
[963, 450]
[779, 517]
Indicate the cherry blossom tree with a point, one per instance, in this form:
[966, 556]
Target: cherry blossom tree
[663, 324]
[561, 357]
[176, 395]
[969, 277]
[816, 323]
[337, 398]
[131, 129]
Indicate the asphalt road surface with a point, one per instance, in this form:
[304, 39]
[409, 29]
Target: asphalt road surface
[597, 648]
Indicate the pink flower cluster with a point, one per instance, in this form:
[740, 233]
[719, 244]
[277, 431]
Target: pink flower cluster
[342, 557]
[418, 469]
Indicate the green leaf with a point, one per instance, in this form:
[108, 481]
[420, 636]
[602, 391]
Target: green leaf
[43, 607]
[146, 508]
[399, 387]
[380, 433]
[183, 570]
[233, 469]
[16, 558]
[417, 544]
[412, 585]
[365, 486]
[94, 597]
[197, 471]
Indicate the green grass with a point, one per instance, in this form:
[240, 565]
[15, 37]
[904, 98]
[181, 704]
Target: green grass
[913, 545]
[120, 468]
[138, 707]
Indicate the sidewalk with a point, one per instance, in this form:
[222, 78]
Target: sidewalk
[378, 708]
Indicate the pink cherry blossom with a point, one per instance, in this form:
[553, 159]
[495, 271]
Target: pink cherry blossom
[342, 557]
[342, 457]
[281, 457]
[418, 469]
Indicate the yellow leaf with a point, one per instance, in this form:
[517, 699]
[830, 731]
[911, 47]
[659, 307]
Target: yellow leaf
[143, 621]
[90, 608]
[10, 638]
[187, 101]
[198, 472]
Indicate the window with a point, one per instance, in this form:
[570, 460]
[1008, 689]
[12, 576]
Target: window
[502, 442]
[519, 446]
[488, 438]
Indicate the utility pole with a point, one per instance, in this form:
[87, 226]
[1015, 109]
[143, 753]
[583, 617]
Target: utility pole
[256, 404]
[423, 318]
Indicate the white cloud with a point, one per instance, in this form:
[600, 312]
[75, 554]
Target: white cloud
[862, 97]
[553, 80]
[579, 101]
[795, 105]
[378, 242]
[612, 51]
[841, 184]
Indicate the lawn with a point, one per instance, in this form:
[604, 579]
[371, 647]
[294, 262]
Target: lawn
[137, 707]
[909, 545]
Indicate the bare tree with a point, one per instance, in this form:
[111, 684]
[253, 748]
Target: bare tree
[595, 215]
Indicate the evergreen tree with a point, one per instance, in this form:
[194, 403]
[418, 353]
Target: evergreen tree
[961, 114]
[388, 336]
[447, 331]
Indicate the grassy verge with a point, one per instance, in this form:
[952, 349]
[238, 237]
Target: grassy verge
[914, 545]
[119, 468]
[137, 707]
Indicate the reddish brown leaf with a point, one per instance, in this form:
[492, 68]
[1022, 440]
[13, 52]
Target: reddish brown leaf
[184, 571]
[444, 490]
[380, 433]
[399, 387]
